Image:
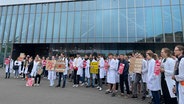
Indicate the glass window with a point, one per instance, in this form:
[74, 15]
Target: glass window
[114, 3]
[91, 24]
[0, 12]
[15, 9]
[156, 2]
[131, 25]
[149, 24]
[148, 3]
[99, 4]
[45, 8]
[106, 26]
[139, 3]
[27, 7]
[7, 27]
[158, 24]
[177, 23]
[63, 27]
[167, 24]
[92, 5]
[50, 27]
[19, 27]
[77, 28]
[70, 27]
[84, 26]
[182, 1]
[106, 4]
[43, 27]
[71, 6]
[31, 28]
[123, 25]
[140, 25]
[56, 27]
[175, 2]
[39, 8]
[13, 27]
[122, 3]
[64, 6]
[25, 28]
[77, 6]
[10, 9]
[51, 7]
[33, 8]
[58, 7]
[130, 3]
[37, 28]
[21, 8]
[2, 22]
[4, 10]
[85, 5]
[165, 2]
[114, 26]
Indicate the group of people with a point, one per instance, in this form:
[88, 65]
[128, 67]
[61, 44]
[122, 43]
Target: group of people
[162, 78]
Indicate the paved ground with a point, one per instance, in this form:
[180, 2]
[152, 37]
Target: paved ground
[14, 91]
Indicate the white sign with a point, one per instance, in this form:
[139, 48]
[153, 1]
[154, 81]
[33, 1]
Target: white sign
[13, 2]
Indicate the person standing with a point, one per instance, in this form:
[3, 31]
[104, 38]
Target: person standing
[16, 68]
[39, 71]
[101, 71]
[8, 66]
[52, 74]
[153, 82]
[34, 70]
[179, 73]
[45, 72]
[124, 76]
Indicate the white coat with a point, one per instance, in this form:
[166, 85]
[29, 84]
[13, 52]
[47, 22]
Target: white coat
[87, 71]
[117, 74]
[51, 75]
[153, 82]
[66, 65]
[9, 67]
[168, 66]
[101, 68]
[78, 62]
[34, 70]
[180, 78]
[144, 71]
[111, 74]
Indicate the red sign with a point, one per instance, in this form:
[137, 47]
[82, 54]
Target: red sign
[106, 65]
[157, 67]
[121, 68]
[84, 64]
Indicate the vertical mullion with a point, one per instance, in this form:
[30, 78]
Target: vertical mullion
[33, 33]
[135, 26]
[118, 22]
[28, 24]
[39, 33]
[172, 19]
[66, 38]
[15, 30]
[80, 20]
[163, 30]
[4, 25]
[153, 25]
[127, 19]
[21, 25]
[144, 20]
[182, 18]
[60, 24]
[53, 23]
[73, 23]
[8, 35]
[46, 24]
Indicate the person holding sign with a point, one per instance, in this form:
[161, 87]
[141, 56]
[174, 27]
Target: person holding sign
[63, 74]
[167, 83]
[94, 68]
[9, 66]
[124, 67]
[51, 73]
[111, 75]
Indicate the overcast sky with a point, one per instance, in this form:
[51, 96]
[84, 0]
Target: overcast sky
[10, 2]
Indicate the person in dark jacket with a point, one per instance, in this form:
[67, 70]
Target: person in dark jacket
[30, 66]
[124, 75]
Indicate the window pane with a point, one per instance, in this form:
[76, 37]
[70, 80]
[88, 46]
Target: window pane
[92, 5]
[21, 8]
[91, 24]
[51, 7]
[43, 27]
[106, 4]
[71, 6]
[175, 2]
[114, 26]
[2, 22]
[84, 26]
[131, 25]
[45, 8]
[165, 2]
[140, 25]
[7, 27]
[4, 11]
[37, 28]
[25, 28]
[64, 6]
[167, 24]
[106, 26]
[77, 6]
[58, 7]
[15, 9]
[122, 3]
[39, 8]
[77, 25]
[50, 27]
[156, 2]
[70, 27]
[147, 3]
[10, 9]
[139, 3]
[19, 26]
[56, 27]
[85, 5]
[31, 28]
[27, 7]
[99, 4]
[63, 27]
[123, 25]
[13, 26]
[114, 3]
[33, 8]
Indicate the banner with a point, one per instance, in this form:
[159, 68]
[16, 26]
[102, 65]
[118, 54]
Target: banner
[60, 66]
[94, 67]
[50, 64]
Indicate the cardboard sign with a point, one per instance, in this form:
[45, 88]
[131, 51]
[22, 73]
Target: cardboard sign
[132, 65]
[135, 65]
[60, 66]
[121, 68]
[94, 67]
[50, 64]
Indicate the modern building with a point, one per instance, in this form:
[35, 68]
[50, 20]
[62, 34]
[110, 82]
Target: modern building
[45, 27]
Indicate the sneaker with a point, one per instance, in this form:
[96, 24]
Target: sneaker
[134, 96]
[57, 86]
[38, 85]
[35, 85]
[100, 89]
[76, 85]
[143, 98]
[122, 94]
[82, 84]
[113, 94]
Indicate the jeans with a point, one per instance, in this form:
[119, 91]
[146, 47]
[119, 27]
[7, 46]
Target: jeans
[39, 79]
[156, 97]
[137, 79]
[64, 79]
[76, 77]
[83, 76]
[16, 73]
[124, 79]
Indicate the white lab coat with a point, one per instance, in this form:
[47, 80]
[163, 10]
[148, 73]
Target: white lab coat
[87, 71]
[34, 70]
[51, 75]
[144, 71]
[78, 62]
[66, 65]
[20, 63]
[9, 66]
[117, 74]
[101, 68]
[153, 82]
[111, 74]
[169, 70]
[179, 78]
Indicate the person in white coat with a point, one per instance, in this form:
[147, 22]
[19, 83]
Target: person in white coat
[87, 71]
[8, 66]
[34, 70]
[63, 74]
[101, 71]
[77, 64]
[117, 74]
[153, 81]
[16, 67]
[167, 83]
[111, 75]
[179, 73]
[52, 75]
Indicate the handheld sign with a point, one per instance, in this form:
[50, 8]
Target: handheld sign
[50, 65]
[121, 68]
[60, 66]
[94, 68]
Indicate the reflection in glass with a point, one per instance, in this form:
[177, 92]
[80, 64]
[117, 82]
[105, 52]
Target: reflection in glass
[106, 26]
[77, 24]
[114, 25]
[63, 27]
[18, 29]
[13, 27]
[131, 25]
[84, 26]
[25, 28]
[56, 27]
[31, 28]
[91, 24]
[123, 25]
[50, 27]
[70, 27]
[37, 28]
[43, 27]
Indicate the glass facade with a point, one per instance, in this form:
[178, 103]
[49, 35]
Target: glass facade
[94, 21]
